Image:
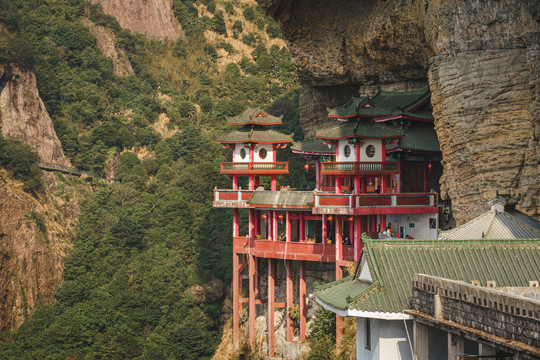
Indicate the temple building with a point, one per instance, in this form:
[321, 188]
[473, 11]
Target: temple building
[376, 172]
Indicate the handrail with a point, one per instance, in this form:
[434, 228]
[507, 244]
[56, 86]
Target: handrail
[360, 166]
[255, 166]
[386, 200]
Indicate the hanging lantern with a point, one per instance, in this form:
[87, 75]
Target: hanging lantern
[265, 217]
[330, 218]
[306, 167]
[351, 218]
[281, 217]
[429, 166]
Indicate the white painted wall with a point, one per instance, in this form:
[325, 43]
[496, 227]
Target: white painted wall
[389, 340]
[269, 155]
[236, 153]
[421, 228]
[377, 143]
[341, 152]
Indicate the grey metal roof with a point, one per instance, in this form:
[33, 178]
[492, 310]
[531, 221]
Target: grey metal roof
[256, 136]
[493, 225]
[313, 146]
[281, 199]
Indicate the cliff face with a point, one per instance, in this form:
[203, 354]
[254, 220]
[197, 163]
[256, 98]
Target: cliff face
[480, 59]
[23, 114]
[151, 17]
[34, 239]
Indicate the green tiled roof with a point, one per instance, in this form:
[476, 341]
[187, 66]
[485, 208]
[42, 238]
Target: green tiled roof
[360, 129]
[386, 104]
[313, 146]
[254, 116]
[255, 136]
[418, 139]
[392, 263]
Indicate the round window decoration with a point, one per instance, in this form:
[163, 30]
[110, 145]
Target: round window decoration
[347, 151]
[243, 153]
[263, 153]
[370, 151]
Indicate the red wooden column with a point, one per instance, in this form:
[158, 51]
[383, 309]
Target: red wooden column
[252, 223]
[338, 185]
[339, 272]
[383, 184]
[275, 226]
[251, 182]
[357, 237]
[289, 265]
[324, 231]
[236, 299]
[271, 306]
[357, 186]
[273, 184]
[235, 226]
[251, 316]
[302, 300]
[235, 182]
[302, 228]
[257, 182]
[318, 174]
[288, 229]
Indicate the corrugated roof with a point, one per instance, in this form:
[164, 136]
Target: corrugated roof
[493, 225]
[281, 199]
[418, 139]
[313, 146]
[255, 116]
[360, 129]
[255, 136]
[393, 262]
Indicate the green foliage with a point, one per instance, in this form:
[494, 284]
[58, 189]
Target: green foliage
[249, 14]
[238, 26]
[219, 23]
[322, 336]
[21, 161]
[37, 218]
[272, 29]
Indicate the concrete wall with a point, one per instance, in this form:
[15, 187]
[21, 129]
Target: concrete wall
[497, 313]
[420, 222]
[389, 340]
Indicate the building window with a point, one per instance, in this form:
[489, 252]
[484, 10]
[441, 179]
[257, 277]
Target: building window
[367, 332]
[263, 153]
[347, 151]
[370, 151]
[243, 153]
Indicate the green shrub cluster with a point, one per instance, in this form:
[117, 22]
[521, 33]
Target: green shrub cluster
[21, 161]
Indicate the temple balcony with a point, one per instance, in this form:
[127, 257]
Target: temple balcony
[231, 198]
[360, 168]
[368, 204]
[255, 168]
[290, 250]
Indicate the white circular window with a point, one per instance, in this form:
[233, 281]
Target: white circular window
[370, 151]
[263, 153]
[347, 151]
[243, 153]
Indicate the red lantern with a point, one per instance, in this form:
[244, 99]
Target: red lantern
[265, 217]
[429, 166]
[280, 217]
[330, 218]
[351, 218]
[306, 167]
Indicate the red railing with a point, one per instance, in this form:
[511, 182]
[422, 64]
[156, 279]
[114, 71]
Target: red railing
[359, 168]
[271, 168]
[329, 203]
[231, 198]
[291, 250]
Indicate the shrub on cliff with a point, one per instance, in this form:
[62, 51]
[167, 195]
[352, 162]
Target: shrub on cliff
[21, 161]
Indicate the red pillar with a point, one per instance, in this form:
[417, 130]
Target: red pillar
[288, 226]
[271, 299]
[235, 225]
[318, 174]
[383, 184]
[257, 182]
[235, 182]
[357, 189]
[289, 264]
[302, 300]
[251, 310]
[251, 222]
[274, 183]
[338, 185]
[275, 225]
[302, 228]
[357, 237]
[324, 230]
[236, 299]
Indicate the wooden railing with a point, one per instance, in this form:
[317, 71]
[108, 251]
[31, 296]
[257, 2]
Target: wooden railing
[326, 203]
[255, 168]
[231, 198]
[349, 168]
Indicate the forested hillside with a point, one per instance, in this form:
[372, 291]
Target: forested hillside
[147, 242]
